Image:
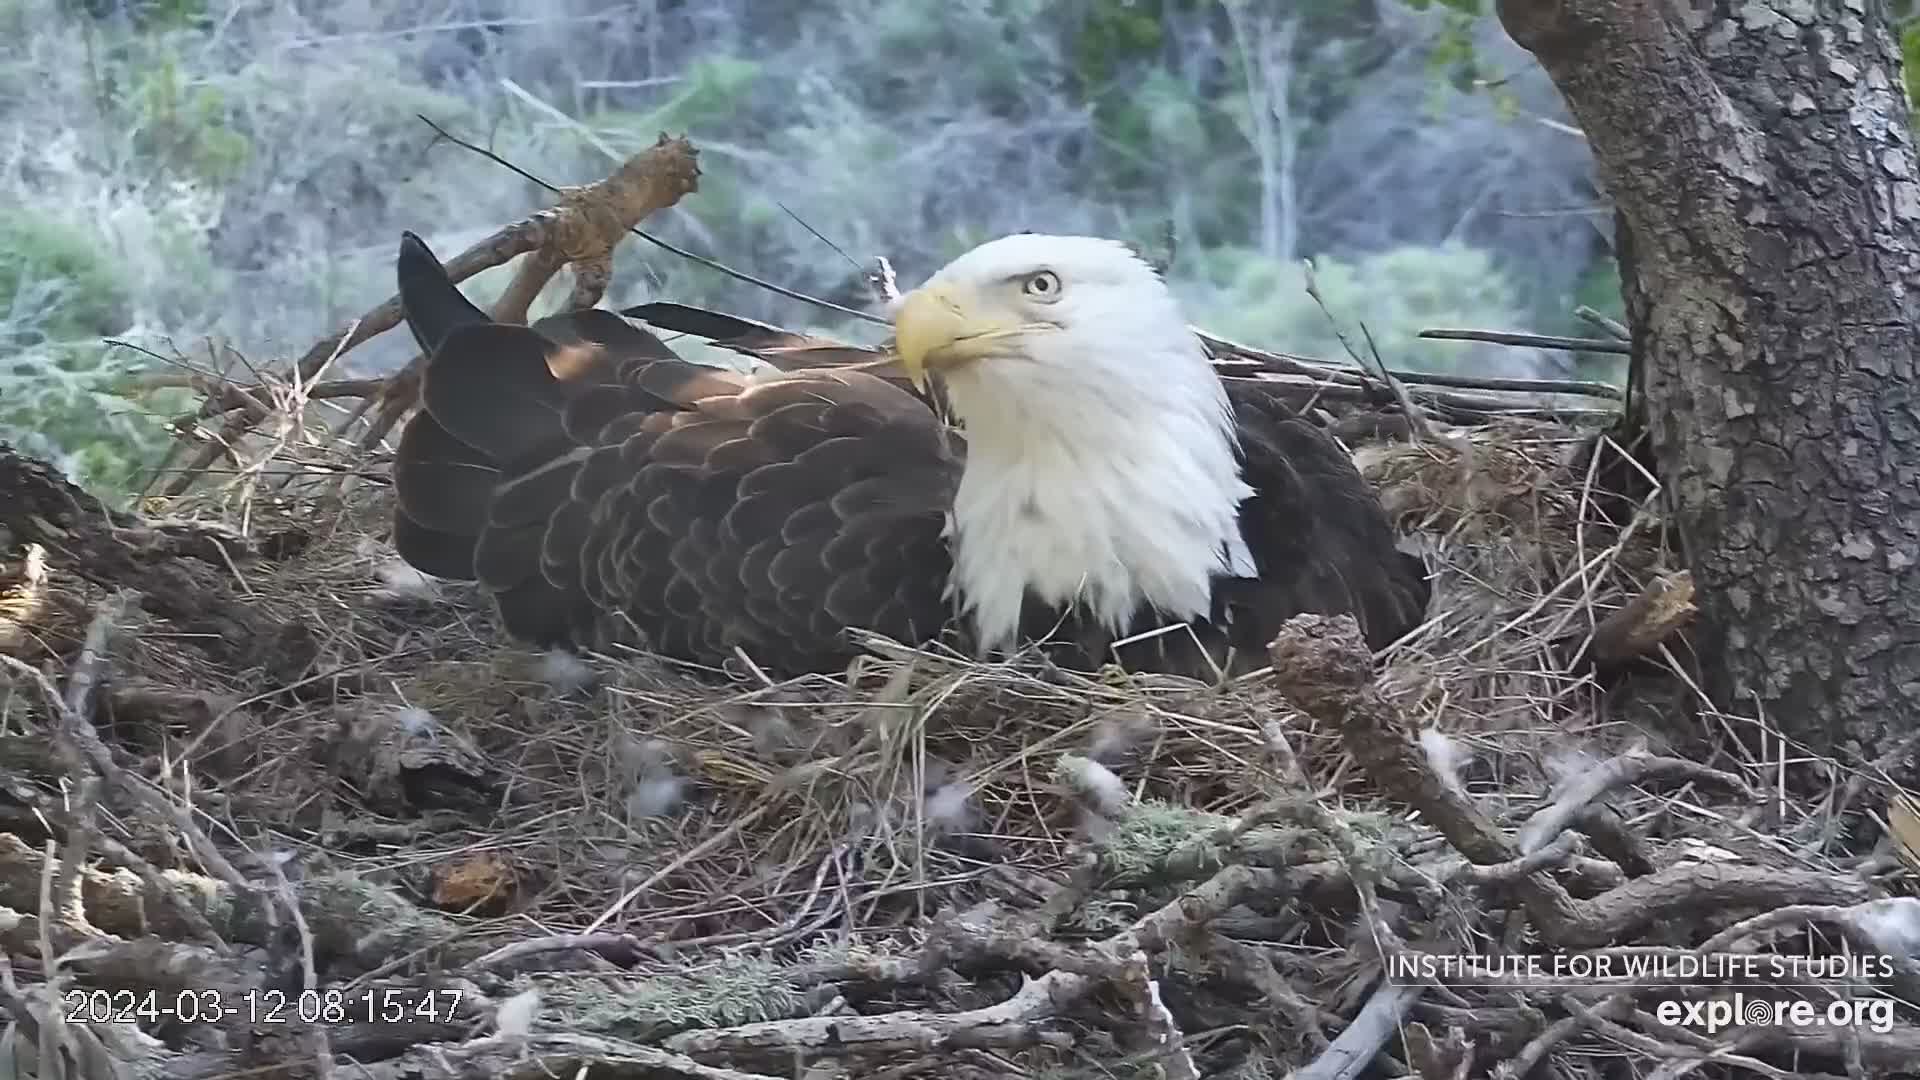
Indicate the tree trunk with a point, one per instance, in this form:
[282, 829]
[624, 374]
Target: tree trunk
[1761, 162]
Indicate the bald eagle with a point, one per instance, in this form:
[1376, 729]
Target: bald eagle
[1104, 493]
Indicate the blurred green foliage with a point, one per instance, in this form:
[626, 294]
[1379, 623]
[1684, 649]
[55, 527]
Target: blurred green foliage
[1396, 293]
[55, 281]
[1599, 289]
[147, 15]
[62, 390]
[1910, 59]
[1114, 32]
[1464, 7]
[179, 125]
[71, 402]
[178, 163]
[711, 89]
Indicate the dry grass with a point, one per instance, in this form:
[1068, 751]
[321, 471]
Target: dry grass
[1522, 575]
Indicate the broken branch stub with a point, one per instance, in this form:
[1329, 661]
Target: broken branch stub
[582, 229]
[1661, 610]
[590, 221]
[1323, 666]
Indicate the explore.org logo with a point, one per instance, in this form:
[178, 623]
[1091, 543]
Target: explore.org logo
[1874, 1014]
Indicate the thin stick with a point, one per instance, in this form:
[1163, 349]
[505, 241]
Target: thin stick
[1416, 420]
[316, 1034]
[674, 867]
[1536, 341]
[1611, 326]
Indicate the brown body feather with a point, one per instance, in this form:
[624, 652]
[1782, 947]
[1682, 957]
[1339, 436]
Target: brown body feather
[604, 490]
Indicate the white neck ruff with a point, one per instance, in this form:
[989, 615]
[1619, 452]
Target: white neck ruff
[1110, 496]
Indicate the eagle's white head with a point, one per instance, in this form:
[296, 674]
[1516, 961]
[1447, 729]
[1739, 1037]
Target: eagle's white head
[1101, 466]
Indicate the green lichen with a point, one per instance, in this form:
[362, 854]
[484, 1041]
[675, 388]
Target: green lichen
[741, 990]
[1144, 841]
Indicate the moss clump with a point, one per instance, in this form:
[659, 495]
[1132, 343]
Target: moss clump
[1144, 841]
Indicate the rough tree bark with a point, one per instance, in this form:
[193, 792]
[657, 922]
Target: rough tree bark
[1759, 155]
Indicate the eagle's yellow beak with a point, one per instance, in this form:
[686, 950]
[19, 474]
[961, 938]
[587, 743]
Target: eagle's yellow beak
[943, 326]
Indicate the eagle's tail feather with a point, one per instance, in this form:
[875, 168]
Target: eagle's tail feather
[433, 305]
[492, 387]
[1418, 583]
[1416, 591]
[492, 451]
[433, 551]
[443, 482]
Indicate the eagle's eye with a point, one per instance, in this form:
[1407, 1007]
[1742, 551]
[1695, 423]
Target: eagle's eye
[1043, 286]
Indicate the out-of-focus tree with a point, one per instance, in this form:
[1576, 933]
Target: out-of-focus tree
[245, 168]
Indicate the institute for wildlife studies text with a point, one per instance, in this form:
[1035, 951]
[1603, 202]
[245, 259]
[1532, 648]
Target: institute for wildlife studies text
[369, 1006]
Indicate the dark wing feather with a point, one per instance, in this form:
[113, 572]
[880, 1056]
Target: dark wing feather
[604, 490]
[1321, 540]
[433, 551]
[443, 483]
[784, 349]
[701, 322]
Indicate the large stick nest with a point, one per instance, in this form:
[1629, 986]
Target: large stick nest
[247, 753]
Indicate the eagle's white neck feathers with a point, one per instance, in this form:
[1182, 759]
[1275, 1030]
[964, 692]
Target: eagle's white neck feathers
[1101, 463]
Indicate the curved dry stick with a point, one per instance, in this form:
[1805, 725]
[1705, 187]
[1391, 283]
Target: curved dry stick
[1617, 1007]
